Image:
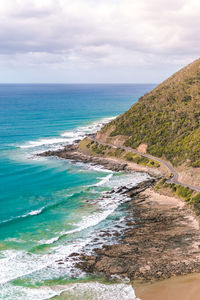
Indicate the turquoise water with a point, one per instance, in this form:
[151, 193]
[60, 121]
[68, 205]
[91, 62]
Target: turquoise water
[50, 208]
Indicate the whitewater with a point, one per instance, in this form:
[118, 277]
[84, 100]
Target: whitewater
[17, 264]
[51, 208]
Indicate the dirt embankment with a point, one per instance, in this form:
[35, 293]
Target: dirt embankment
[189, 175]
[104, 136]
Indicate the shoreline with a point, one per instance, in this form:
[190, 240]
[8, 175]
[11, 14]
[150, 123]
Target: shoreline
[162, 240]
[72, 152]
[185, 287]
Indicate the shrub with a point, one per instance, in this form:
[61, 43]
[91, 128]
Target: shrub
[166, 119]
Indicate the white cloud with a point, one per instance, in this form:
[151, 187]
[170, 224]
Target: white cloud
[98, 34]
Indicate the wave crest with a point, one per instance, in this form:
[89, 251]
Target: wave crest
[66, 137]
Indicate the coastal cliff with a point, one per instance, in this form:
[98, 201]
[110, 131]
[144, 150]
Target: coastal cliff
[165, 123]
[162, 235]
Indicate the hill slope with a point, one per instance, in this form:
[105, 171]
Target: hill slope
[167, 119]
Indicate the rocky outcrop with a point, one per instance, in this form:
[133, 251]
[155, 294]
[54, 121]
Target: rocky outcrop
[160, 242]
[71, 152]
[74, 153]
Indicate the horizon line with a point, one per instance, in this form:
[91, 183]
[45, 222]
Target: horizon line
[83, 83]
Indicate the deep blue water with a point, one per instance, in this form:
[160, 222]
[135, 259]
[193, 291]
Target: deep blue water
[48, 205]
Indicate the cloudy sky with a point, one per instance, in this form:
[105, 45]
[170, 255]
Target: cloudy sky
[96, 41]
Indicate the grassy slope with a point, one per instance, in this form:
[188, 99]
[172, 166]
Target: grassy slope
[93, 148]
[167, 119]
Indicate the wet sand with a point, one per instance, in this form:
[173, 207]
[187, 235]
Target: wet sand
[176, 288]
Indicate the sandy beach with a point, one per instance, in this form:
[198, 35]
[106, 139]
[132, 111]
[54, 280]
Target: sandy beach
[176, 288]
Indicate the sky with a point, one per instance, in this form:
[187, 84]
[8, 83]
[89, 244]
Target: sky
[96, 41]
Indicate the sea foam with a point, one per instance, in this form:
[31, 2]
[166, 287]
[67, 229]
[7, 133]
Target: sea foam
[16, 263]
[104, 180]
[83, 291]
[65, 138]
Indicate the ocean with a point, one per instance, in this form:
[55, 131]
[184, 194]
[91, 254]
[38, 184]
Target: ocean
[50, 208]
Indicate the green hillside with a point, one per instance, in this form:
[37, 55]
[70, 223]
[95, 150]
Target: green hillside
[167, 119]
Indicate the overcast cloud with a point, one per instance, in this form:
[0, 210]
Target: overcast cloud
[96, 41]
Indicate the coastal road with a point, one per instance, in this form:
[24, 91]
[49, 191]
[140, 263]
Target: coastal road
[174, 174]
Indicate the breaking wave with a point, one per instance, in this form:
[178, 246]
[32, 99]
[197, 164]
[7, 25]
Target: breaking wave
[66, 137]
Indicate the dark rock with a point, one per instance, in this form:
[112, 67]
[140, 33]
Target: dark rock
[158, 246]
[158, 242]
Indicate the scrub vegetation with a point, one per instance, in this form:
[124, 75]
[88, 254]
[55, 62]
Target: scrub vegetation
[167, 119]
[187, 194]
[95, 148]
